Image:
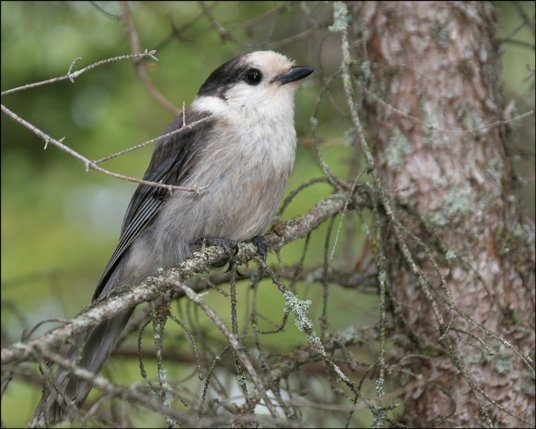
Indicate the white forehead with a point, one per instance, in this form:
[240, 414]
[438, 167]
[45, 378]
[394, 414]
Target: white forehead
[270, 62]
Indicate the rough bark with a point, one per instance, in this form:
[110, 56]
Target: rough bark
[440, 62]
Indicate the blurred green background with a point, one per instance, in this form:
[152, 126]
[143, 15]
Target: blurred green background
[61, 224]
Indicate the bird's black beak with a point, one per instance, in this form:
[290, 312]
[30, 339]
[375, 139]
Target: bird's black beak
[295, 73]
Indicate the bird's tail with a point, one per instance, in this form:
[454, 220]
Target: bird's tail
[91, 350]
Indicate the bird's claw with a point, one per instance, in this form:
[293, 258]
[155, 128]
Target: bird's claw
[229, 247]
[262, 246]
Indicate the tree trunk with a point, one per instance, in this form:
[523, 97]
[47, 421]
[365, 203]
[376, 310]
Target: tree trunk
[439, 62]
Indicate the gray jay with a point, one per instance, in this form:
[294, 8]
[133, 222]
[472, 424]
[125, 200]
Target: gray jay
[244, 153]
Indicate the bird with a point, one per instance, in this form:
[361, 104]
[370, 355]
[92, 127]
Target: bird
[243, 151]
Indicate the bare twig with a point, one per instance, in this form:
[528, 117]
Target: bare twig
[91, 165]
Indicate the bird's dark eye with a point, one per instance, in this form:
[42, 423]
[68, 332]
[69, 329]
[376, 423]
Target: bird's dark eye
[253, 77]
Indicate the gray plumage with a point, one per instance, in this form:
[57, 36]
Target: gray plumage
[244, 153]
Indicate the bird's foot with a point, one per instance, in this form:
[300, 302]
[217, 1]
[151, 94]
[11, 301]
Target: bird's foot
[230, 247]
[260, 243]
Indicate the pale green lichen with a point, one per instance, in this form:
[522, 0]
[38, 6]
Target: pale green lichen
[299, 308]
[456, 202]
[503, 363]
[340, 22]
[397, 148]
[450, 255]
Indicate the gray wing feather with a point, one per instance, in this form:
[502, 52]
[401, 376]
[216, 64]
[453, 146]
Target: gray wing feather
[173, 159]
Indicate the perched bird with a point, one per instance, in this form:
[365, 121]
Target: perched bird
[244, 153]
